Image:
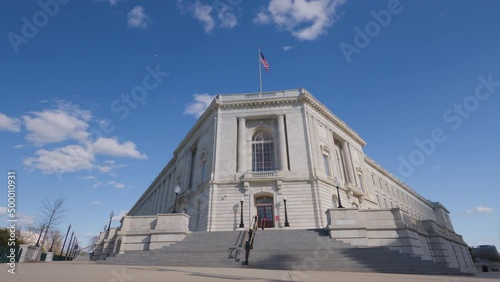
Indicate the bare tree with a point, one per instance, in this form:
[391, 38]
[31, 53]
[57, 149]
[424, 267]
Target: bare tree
[52, 213]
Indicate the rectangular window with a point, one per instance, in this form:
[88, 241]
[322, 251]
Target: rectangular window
[360, 177]
[191, 171]
[326, 162]
[203, 172]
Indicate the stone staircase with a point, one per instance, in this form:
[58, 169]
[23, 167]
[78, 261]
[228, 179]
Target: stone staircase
[307, 250]
[222, 249]
[311, 250]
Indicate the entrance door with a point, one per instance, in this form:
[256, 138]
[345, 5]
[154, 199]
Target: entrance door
[265, 213]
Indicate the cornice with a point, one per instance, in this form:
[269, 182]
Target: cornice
[385, 172]
[326, 113]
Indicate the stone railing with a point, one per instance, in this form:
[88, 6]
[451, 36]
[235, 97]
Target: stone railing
[261, 175]
[293, 93]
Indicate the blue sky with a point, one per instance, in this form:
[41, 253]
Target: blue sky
[67, 127]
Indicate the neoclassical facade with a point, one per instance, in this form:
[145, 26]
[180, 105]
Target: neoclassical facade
[263, 148]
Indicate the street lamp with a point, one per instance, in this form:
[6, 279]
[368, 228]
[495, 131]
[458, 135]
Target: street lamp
[177, 190]
[110, 218]
[69, 245]
[40, 236]
[62, 249]
[336, 183]
[286, 214]
[242, 225]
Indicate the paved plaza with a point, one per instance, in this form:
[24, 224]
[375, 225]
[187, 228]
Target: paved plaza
[89, 271]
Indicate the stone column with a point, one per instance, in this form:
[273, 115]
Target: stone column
[282, 142]
[163, 189]
[348, 162]
[241, 144]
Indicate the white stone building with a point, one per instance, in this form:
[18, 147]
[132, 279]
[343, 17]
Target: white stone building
[263, 148]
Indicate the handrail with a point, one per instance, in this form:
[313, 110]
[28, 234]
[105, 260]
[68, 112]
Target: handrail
[251, 237]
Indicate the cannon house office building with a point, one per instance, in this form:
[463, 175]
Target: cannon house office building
[264, 148]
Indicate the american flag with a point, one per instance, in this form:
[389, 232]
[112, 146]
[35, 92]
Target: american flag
[264, 61]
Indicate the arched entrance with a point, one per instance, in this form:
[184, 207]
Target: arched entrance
[265, 210]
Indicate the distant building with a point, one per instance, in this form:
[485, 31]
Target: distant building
[257, 150]
[488, 252]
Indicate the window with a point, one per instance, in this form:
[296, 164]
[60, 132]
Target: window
[262, 152]
[192, 166]
[203, 171]
[360, 177]
[334, 202]
[326, 162]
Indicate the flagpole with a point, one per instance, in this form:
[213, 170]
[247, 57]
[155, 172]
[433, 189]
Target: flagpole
[260, 72]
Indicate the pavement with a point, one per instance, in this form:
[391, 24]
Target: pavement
[77, 271]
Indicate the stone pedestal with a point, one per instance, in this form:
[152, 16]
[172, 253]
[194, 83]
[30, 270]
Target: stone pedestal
[29, 253]
[397, 230]
[142, 233]
[50, 256]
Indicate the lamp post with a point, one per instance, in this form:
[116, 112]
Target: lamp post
[62, 249]
[336, 183]
[110, 218]
[40, 236]
[177, 190]
[52, 245]
[242, 225]
[286, 214]
[69, 245]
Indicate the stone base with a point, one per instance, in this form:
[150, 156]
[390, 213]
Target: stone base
[142, 233]
[396, 230]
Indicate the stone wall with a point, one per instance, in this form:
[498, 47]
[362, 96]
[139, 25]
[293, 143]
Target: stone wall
[142, 233]
[395, 229]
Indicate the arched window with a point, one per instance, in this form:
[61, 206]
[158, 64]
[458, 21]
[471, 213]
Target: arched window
[262, 152]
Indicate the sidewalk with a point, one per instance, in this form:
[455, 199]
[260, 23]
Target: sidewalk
[89, 271]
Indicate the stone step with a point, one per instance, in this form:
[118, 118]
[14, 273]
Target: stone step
[280, 249]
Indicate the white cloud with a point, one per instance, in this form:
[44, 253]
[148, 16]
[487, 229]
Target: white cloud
[3, 210]
[203, 14]
[119, 216]
[226, 17]
[69, 123]
[97, 184]
[210, 16]
[137, 18]
[9, 124]
[116, 184]
[24, 220]
[286, 48]
[199, 105]
[114, 2]
[88, 177]
[96, 202]
[305, 19]
[50, 126]
[18, 146]
[480, 209]
[112, 147]
[65, 159]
